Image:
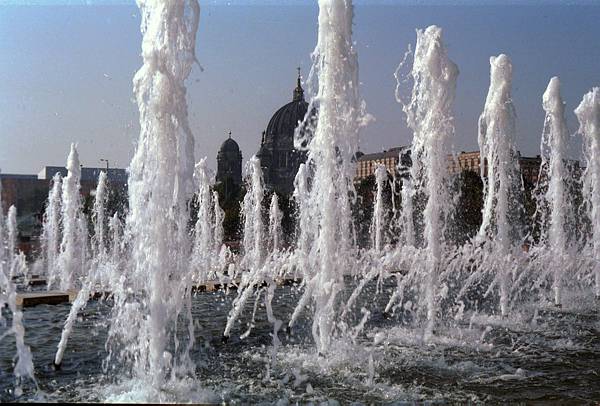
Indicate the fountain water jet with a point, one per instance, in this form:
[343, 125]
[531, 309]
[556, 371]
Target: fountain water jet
[94, 268]
[115, 229]
[275, 217]
[588, 114]
[500, 174]
[153, 292]
[253, 218]
[23, 361]
[99, 217]
[379, 208]
[11, 245]
[51, 230]
[219, 235]
[251, 264]
[555, 175]
[203, 253]
[429, 115]
[330, 161]
[71, 247]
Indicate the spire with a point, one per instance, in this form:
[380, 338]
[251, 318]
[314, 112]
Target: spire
[298, 91]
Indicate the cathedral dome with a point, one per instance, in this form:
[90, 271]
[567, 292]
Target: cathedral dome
[229, 145]
[280, 129]
[278, 156]
[285, 120]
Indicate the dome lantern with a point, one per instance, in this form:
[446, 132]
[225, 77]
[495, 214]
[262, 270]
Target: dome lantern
[298, 91]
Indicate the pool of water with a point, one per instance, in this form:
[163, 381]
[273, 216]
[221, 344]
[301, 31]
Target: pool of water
[537, 354]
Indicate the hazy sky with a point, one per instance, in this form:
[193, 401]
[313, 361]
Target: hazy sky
[66, 71]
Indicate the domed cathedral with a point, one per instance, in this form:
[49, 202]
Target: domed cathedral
[278, 157]
[229, 166]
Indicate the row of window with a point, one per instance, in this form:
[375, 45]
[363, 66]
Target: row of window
[367, 168]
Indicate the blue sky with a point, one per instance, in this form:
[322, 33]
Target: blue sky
[66, 71]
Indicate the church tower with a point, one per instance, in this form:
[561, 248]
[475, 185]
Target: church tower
[229, 164]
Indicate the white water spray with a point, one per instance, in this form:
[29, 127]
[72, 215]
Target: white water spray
[554, 158]
[99, 217]
[23, 365]
[203, 250]
[51, 233]
[254, 273]
[379, 208]
[429, 115]
[115, 229]
[334, 143]
[219, 232]
[499, 171]
[11, 245]
[588, 114]
[160, 187]
[252, 214]
[70, 257]
[275, 217]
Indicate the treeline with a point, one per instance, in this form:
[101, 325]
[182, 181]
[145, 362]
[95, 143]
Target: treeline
[463, 224]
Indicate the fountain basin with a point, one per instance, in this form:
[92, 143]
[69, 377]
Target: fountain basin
[539, 353]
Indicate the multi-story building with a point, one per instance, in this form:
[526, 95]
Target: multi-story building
[392, 159]
[28, 193]
[465, 161]
[471, 161]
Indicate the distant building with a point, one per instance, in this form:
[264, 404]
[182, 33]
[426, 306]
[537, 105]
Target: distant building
[391, 159]
[229, 166]
[28, 193]
[465, 161]
[115, 175]
[530, 168]
[471, 161]
[278, 157]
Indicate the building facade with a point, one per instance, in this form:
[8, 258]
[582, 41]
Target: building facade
[471, 161]
[399, 157]
[28, 193]
[392, 159]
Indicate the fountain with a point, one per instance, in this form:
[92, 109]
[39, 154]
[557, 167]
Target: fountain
[99, 217]
[275, 217]
[429, 115]
[499, 230]
[252, 261]
[325, 209]
[377, 227]
[555, 204]
[70, 259]
[51, 230]
[203, 252]
[11, 253]
[154, 289]
[23, 369]
[588, 114]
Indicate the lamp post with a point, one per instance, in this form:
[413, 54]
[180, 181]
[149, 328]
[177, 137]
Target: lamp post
[105, 160]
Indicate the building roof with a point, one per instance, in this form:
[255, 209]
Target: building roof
[229, 145]
[390, 153]
[283, 123]
[17, 176]
[87, 174]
